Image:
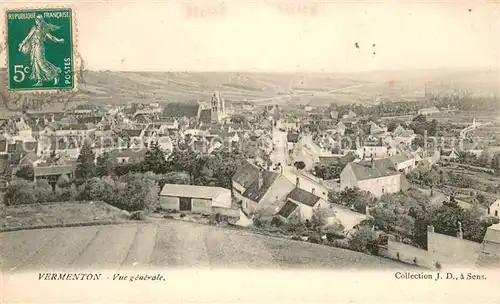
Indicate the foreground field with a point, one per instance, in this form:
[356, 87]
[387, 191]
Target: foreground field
[171, 244]
[59, 214]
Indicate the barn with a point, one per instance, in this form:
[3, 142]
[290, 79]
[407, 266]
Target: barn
[196, 199]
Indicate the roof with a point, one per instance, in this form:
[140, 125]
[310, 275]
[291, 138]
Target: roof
[287, 209]
[402, 157]
[246, 174]
[131, 132]
[292, 137]
[131, 153]
[192, 191]
[304, 197]
[254, 192]
[431, 109]
[381, 168]
[496, 204]
[53, 170]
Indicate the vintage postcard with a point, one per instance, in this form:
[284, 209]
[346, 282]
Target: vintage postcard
[283, 151]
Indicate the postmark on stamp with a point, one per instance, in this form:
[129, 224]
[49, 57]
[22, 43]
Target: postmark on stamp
[40, 50]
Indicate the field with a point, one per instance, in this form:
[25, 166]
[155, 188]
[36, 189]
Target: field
[115, 87]
[58, 214]
[171, 244]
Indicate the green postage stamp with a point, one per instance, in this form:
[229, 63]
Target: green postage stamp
[40, 49]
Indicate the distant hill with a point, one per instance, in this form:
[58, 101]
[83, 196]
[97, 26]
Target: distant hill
[261, 88]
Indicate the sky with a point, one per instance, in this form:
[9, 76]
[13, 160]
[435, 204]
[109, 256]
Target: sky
[236, 35]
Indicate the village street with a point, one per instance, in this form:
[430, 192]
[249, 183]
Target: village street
[280, 155]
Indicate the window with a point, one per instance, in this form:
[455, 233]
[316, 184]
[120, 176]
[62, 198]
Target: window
[496, 212]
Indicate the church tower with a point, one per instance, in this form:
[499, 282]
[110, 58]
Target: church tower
[218, 108]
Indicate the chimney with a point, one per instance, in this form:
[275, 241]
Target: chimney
[430, 229]
[373, 163]
[367, 211]
[261, 179]
[297, 183]
[313, 190]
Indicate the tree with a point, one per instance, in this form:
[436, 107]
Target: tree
[26, 172]
[299, 165]
[20, 192]
[43, 191]
[418, 141]
[361, 239]
[354, 198]
[155, 160]
[63, 181]
[141, 193]
[104, 165]
[393, 124]
[86, 165]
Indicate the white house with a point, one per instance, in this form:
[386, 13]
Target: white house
[377, 177]
[494, 209]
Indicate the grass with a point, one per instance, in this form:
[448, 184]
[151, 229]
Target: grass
[169, 244]
[59, 215]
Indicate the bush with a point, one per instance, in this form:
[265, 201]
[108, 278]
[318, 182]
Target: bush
[138, 216]
[362, 239]
[20, 192]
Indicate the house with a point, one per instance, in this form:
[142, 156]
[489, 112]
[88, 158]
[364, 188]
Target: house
[292, 139]
[127, 156]
[30, 159]
[377, 176]
[375, 129]
[196, 199]
[302, 204]
[334, 115]
[403, 136]
[428, 111]
[428, 155]
[289, 124]
[494, 209]
[403, 162]
[373, 151]
[449, 155]
[52, 173]
[75, 129]
[341, 128]
[350, 114]
[257, 188]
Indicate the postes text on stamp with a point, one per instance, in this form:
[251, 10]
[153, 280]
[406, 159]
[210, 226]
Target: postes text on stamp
[40, 50]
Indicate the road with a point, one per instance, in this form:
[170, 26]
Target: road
[168, 243]
[280, 155]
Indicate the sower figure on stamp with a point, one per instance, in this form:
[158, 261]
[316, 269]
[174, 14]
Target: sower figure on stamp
[32, 45]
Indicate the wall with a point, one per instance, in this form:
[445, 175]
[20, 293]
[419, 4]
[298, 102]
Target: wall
[391, 184]
[452, 250]
[223, 199]
[277, 192]
[347, 217]
[407, 253]
[347, 178]
[238, 187]
[169, 202]
[200, 205]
